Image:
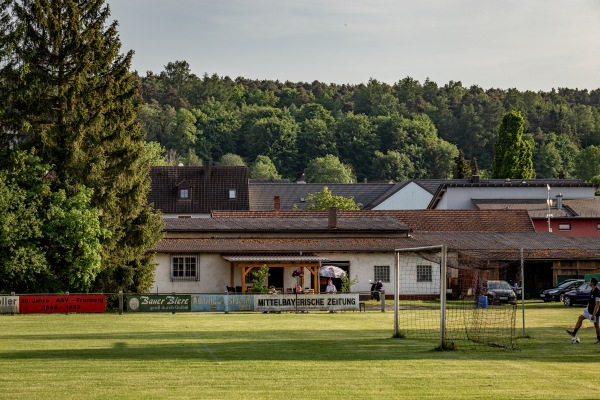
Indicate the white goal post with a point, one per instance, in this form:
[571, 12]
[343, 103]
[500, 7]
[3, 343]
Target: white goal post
[443, 270]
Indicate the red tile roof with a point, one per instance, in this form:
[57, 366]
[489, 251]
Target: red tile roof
[419, 220]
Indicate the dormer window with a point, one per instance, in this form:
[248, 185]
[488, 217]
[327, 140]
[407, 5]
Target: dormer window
[232, 194]
[183, 190]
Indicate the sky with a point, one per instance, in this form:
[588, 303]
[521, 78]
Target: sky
[523, 44]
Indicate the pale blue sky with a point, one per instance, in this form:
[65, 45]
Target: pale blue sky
[525, 44]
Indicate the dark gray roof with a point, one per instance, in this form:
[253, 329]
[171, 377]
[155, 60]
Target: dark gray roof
[295, 194]
[507, 245]
[584, 208]
[208, 189]
[283, 245]
[301, 224]
[538, 208]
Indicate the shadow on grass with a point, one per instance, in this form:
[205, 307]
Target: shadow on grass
[284, 345]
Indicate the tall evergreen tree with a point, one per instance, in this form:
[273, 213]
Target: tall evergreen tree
[462, 167]
[76, 104]
[512, 154]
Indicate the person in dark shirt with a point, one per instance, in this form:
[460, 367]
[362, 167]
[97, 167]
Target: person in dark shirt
[591, 312]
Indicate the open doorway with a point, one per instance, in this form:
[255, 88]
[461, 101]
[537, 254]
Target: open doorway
[276, 277]
[345, 265]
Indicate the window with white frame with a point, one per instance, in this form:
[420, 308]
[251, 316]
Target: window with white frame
[424, 273]
[381, 273]
[184, 268]
[232, 194]
[564, 227]
[598, 227]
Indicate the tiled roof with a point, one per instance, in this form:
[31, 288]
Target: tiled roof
[584, 208]
[299, 224]
[536, 245]
[466, 220]
[419, 220]
[208, 189]
[538, 208]
[279, 258]
[283, 245]
[494, 246]
[292, 194]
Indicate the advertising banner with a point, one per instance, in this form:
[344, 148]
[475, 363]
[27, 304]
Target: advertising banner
[159, 303]
[222, 303]
[79, 303]
[9, 304]
[306, 302]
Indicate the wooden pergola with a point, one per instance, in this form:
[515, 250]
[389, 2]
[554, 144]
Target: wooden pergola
[247, 262]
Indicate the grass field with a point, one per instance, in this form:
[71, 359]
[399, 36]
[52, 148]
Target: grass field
[347, 355]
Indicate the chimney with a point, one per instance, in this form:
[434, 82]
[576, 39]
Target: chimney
[559, 199]
[276, 203]
[332, 217]
[475, 179]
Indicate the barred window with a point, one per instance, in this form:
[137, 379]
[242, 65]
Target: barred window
[381, 273]
[424, 273]
[184, 268]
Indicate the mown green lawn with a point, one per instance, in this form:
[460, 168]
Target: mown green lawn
[347, 355]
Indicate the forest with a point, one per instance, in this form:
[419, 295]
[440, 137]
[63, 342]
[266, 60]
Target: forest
[377, 131]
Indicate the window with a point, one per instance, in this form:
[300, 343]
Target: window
[184, 268]
[598, 227]
[564, 227]
[381, 273]
[424, 273]
[183, 190]
[232, 194]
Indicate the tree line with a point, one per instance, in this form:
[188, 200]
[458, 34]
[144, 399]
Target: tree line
[79, 132]
[380, 131]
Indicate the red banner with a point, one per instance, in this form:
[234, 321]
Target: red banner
[79, 303]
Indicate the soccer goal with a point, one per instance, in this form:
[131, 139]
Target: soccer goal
[455, 297]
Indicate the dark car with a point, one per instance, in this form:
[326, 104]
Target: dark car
[556, 293]
[500, 292]
[581, 295]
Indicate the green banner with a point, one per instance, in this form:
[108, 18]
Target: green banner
[159, 303]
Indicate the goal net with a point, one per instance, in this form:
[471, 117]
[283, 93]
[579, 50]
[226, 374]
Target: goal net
[456, 298]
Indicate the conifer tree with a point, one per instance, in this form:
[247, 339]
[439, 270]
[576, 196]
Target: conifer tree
[462, 168]
[513, 156]
[76, 103]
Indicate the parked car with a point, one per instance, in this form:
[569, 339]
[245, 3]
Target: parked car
[581, 295]
[556, 293]
[500, 292]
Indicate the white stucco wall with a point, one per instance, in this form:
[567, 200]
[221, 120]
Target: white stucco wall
[459, 198]
[215, 274]
[410, 197]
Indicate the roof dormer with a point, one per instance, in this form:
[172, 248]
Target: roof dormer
[183, 190]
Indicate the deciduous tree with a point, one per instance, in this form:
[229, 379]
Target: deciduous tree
[328, 169]
[75, 102]
[325, 199]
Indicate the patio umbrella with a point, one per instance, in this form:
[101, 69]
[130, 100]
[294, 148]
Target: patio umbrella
[330, 271]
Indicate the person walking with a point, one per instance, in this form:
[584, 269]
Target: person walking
[591, 312]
